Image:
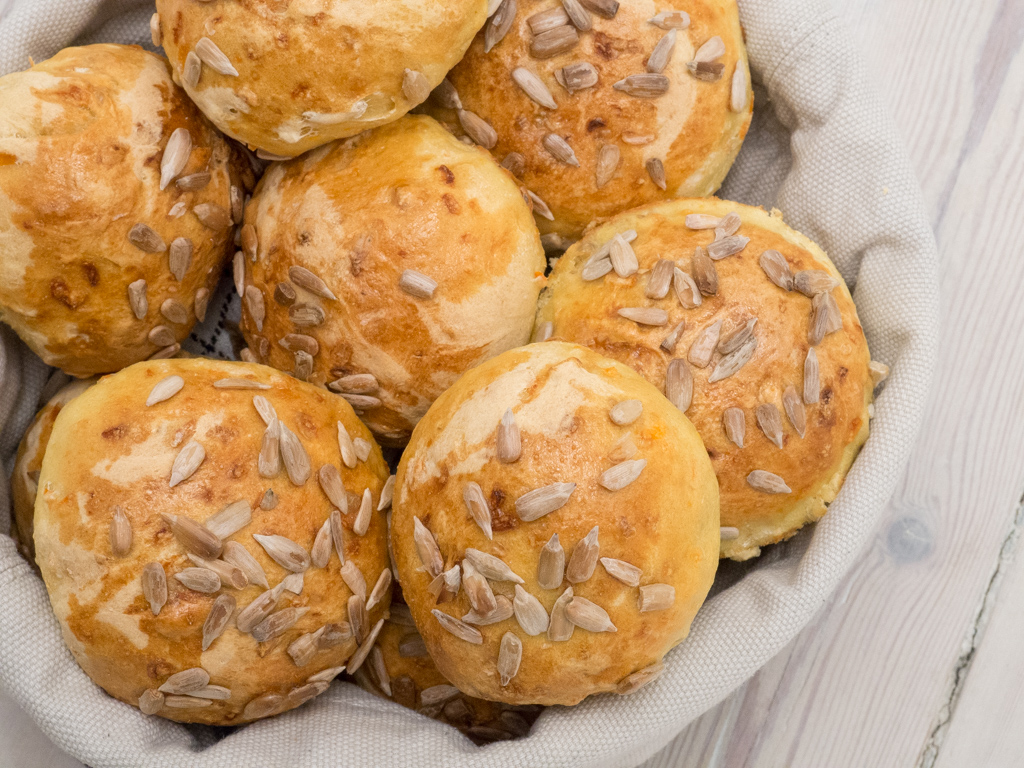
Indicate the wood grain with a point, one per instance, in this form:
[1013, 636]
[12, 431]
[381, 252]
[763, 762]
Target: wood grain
[886, 676]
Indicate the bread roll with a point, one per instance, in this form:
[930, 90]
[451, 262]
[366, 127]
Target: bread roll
[386, 266]
[553, 488]
[795, 404]
[116, 207]
[645, 102]
[287, 77]
[188, 546]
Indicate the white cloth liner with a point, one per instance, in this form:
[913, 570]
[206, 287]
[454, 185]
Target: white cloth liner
[824, 151]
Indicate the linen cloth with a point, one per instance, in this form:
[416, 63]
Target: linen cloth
[822, 149]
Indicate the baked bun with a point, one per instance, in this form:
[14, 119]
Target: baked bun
[287, 77]
[350, 242]
[129, 502]
[599, 149]
[29, 461]
[584, 425]
[400, 669]
[99, 266]
[769, 357]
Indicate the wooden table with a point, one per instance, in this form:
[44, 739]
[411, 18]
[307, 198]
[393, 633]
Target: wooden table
[917, 661]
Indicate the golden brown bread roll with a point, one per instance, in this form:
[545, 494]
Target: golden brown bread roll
[29, 461]
[188, 546]
[553, 488]
[387, 265]
[116, 206]
[796, 405]
[638, 125]
[287, 77]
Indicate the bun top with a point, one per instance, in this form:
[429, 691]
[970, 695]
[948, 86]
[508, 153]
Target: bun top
[287, 77]
[745, 343]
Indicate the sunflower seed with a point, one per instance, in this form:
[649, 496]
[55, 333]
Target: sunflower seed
[735, 424]
[201, 303]
[578, 15]
[604, 8]
[212, 216]
[733, 362]
[686, 289]
[479, 592]
[303, 278]
[503, 611]
[284, 552]
[459, 629]
[578, 77]
[186, 681]
[193, 182]
[154, 587]
[529, 612]
[622, 474]
[326, 675]
[239, 557]
[537, 205]
[656, 597]
[303, 366]
[355, 384]
[622, 571]
[387, 494]
[728, 226]
[165, 389]
[446, 95]
[608, 158]
[491, 567]
[300, 695]
[415, 86]
[303, 648]
[879, 371]
[499, 25]
[192, 70]
[812, 385]
[776, 267]
[137, 299]
[284, 293]
[185, 702]
[596, 270]
[550, 19]
[477, 507]
[199, 579]
[378, 670]
[659, 280]
[175, 157]
[712, 49]
[589, 616]
[514, 163]
[438, 694]
[662, 53]
[584, 558]
[187, 462]
[534, 87]
[426, 547]
[510, 655]
[624, 449]
[212, 692]
[151, 701]
[162, 336]
[363, 448]
[380, 589]
[645, 315]
[293, 583]
[146, 239]
[825, 318]
[679, 384]
[478, 129]
[179, 258]
[727, 246]
[626, 412]
[795, 410]
[622, 256]
[320, 554]
[645, 86]
[217, 619]
[702, 221]
[560, 150]
[740, 86]
[671, 20]
[729, 534]
[704, 345]
[335, 634]
[551, 567]
[738, 338]
[543, 332]
[670, 341]
[767, 482]
[634, 682]
[811, 282]
[257, 611]
[704, 273]
[553, 42]
[214, 57]
[365, 514]
[446, 585]
[254, 303]
[770, 421]
[230, 575]
[337, 534]
[238, 273]
[276, 624]
[417, 284]
[656, 170]
[268, 462]
[542, 501]
[230, 520]
[296, 460]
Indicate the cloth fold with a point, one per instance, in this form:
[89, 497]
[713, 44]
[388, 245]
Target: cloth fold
[823, 149]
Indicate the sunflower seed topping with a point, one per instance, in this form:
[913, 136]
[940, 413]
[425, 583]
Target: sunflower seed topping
[326, 675]
[284, 552]
[426, 547]
[704, 345]
[303, 278]
[589, 616]
[303, 648]
[186, 681]
[257, 611]
[320, 554]
[437, 695]
[825, 318]
[729, 534]
[151, 701]
[175, 157]
[254, 303]
[596, 270]
[733, 362]
[293, 583]
[645, 315]
[479, 592]
[795, 410]
[738, 337]
[380, 589]
[622, 571]
[510, 655]
[187, 462]
[355, 384]
[554, 41]
[729, 225]
[702, 221]
[551, 567]
[459, 629]
[534, 87]
[770, 421]
[622, 256]
[269, 460]
[622, 474]
[542, 501]
[660, 279]
[154, 587]
[446, 585]
[417, 284]
[337, 534]
[193, 182]
[634, 682]
[679, 384]
[811, 282]
[276, 624]
[672, 340]
[879, 371]
[740, 86]
[543, 332]
[230, 520]
[212, 216]
[656, 597]
[478, 129]
[727, 246]
[415, 86]
[296, 460]
[238, 556]
[603, 8]
[686, 289]
[300, 695]
[217, 619]
[306, 315]
[608, 158]
[212, 692]
[185, 702]
[550, 19]
[387, 494]
[162, 336]
[578, 77]
[767, 482]
[776, 267]
[365, 514]
[508, 445]
[165, 389]
[192, 70]
[537, 205]
[645, 86]
[499, 25]
[584, 558]
[812, 384]
[560, 150]
[705, 275]
[502, 612]
[626, 412]
[333, 488]
[662, 53]
[214, 57]
[146, 239]
[735, 424]
[491, 567]
[179, 259]
[199, 579]
[476, 505]
[624, 449]
[137, 299]
[671, 20]
[529, 612]
[577, 15]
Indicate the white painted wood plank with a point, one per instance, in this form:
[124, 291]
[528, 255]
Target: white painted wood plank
[867, 684]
